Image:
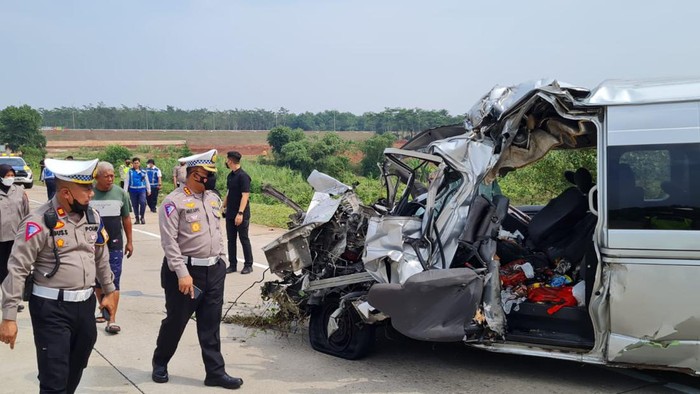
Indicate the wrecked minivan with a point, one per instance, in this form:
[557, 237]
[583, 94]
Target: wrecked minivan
[604, 273]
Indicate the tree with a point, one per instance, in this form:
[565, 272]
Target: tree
[115, 154]
[20, 126]
[373, 149]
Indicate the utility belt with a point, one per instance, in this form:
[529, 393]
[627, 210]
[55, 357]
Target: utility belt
[62, 295]
[202, 262]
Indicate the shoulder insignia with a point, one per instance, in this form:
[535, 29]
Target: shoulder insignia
[187, 190]
[169, 209]
[102, 236]
[61, 212]
[59, 225]
[31, 230]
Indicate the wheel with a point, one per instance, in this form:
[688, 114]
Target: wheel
[352, 340]
[28, 185]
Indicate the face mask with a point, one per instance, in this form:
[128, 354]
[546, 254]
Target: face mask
[210, 183]
[227, 165]
[8, 181]
[77, 207]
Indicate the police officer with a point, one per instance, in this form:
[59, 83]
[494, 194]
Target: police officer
[138, 187]
[193, 271]
[64, 240]
[14, 205]
[155, 179]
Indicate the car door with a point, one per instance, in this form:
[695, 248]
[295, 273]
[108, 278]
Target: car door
[650, 244]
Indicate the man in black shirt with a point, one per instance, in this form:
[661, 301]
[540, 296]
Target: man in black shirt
[237, 213]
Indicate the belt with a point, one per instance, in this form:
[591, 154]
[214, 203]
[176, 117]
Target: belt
[203, 262]
[68, 295]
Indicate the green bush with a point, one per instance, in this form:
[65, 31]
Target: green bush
[115, 154]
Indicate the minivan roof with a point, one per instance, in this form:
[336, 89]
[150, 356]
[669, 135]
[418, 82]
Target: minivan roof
[644, 91]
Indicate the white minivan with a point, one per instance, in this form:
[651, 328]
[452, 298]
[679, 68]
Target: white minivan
[605, 273]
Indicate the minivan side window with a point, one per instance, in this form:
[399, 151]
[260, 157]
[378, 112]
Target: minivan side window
[652, 187]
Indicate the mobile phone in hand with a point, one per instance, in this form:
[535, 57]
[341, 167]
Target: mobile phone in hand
[105, 314]
[197, 292]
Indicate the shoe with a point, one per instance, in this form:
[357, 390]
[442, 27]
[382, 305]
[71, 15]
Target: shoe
[112, 328]
[160, 373]
[225, 381]
[246, 270]
[20, 308]
[143, 221]
[154, 211]
[137, 221]
[230, 270]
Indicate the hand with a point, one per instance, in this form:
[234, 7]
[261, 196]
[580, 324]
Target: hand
[159, 186]
[8, 332]
[239, 220]
[186, 286]
[129, 249]
[148, 193]
[109, 302]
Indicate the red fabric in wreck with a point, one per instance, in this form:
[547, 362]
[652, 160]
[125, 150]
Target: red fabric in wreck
[513, 279]
[562, 296]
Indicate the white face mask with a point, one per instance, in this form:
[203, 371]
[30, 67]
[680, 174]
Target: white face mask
[8, 181]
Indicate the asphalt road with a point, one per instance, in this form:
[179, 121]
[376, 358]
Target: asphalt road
[270, 361]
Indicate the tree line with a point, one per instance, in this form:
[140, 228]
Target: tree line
[101, 116]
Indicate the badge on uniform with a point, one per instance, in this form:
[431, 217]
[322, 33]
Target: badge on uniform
[187, 191]
[31, 230]
[190, 205]
[169, 208]
[60, 242]
[61, 212]
[196, 227]
[59, 225]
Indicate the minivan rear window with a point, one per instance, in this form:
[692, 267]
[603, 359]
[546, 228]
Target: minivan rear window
[651, 187]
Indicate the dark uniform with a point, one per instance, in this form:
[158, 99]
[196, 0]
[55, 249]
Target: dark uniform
[237, 183]
[193, 244]
[61, 306]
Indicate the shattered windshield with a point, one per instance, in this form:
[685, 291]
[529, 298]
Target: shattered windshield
[407, 180]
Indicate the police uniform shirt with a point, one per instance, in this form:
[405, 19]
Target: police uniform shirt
[180, 174]
[80, 247]
[190, 227]
[14, 205]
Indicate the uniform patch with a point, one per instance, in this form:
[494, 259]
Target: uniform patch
[59, 225]
[31, 230]
[169, 209]
[187, 191]
[214, 203]
[190, 205]
[60, 242]
[61, 212]
[196, 227]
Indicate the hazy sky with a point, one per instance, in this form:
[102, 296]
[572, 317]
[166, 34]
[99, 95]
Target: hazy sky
[308, 55]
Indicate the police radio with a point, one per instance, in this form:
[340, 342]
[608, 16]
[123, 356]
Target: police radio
[50, 220]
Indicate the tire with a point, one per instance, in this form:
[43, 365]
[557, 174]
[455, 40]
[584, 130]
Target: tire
[352, 340]
[28, 185]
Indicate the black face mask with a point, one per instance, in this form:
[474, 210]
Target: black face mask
[210, 183]
[77, 207]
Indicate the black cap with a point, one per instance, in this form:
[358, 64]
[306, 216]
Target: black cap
[4, 169]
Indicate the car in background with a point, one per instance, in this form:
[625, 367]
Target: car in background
[23, 174]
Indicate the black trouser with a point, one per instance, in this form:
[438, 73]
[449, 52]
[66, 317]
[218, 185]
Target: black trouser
[233, 231]
[179, 308]
[152, 200]
[64, 334]
[50, 187]
[5, 249]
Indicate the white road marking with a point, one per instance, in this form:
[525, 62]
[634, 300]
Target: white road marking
[152, 234]
[158, 236]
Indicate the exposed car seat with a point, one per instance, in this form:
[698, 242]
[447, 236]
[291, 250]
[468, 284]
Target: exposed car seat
[557, 218]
